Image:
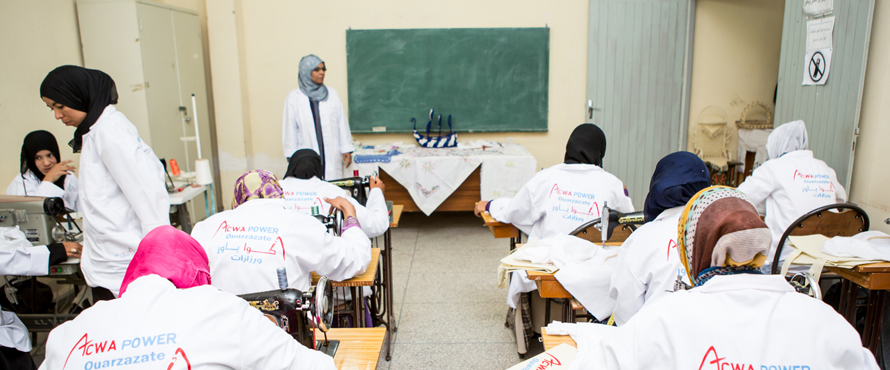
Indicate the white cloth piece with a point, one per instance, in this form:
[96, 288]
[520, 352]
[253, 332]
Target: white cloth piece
[150, 324]
[29, 185]
[559, 199]
[441, 171]
[478, 144]
[752, 141]
[13, 333]
[787, 138]
[647, 265]
[588, 281]
[298, 130]
[791, 186]
[688, 330]
[300, 195]
[585, 335]
[123, 196]
[248, 244]
[870, 245]
[519, 283]
[18, 257]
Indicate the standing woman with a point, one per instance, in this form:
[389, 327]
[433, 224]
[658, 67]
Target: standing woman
[43, 175]
[122, 189]
[314, 119]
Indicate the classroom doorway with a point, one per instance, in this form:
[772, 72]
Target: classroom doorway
[638, 70]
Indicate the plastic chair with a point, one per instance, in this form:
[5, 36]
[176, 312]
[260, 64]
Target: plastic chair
[849, 221]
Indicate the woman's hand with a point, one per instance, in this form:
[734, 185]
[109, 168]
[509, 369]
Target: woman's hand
[377, 184]
[73, 249]
[347, 159]
[58, 170]
[341, 204]
[480, 207]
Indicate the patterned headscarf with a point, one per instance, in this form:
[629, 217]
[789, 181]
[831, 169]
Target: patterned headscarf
[256, 184]
[719, 228]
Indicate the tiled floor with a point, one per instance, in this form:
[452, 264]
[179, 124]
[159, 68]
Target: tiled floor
[449, 310]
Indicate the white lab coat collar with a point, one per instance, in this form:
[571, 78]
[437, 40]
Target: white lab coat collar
[109, 110]
[578, 167]
[803, 153]
[726, 283]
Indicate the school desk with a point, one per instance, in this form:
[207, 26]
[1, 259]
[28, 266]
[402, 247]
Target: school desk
[551, 341]
[501, 230]
[359, 348]
[876, 278]
[180, 200]
[356, 283]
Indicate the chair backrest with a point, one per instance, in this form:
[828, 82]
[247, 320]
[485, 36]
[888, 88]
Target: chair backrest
[848, 221]
[592, 234]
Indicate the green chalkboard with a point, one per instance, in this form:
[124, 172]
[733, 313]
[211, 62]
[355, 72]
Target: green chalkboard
[487, 79]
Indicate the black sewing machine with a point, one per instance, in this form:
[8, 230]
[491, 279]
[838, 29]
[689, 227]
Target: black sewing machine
[333, 222]
[609, 220]
[356, 186]
[299, 313]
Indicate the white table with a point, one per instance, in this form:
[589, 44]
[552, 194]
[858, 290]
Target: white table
[180, 200]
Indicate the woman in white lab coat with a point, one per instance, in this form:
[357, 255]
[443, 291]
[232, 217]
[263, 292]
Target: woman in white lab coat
[648, 262]
[734, 317]
[169, 318]
[19, 257]
[43, 173]
[304, 188]
[314, 119]
[792, 182]
[249, 243]
[559, 199]
[122, 190]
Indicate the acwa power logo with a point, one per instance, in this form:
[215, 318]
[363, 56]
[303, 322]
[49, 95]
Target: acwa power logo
[713, 361]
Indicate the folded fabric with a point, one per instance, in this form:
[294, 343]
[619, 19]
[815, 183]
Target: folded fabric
[373, 158]
[589, 282]
[478, 144]
[586, 336]
[558, 250]
[870, 245]
[807, 250]
[510, 264]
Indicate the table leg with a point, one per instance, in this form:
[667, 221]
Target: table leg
[873, 320]
[184, 220]
[546, 311]
[387, 292]
[850, 302]
[358, 305]
[568, 314]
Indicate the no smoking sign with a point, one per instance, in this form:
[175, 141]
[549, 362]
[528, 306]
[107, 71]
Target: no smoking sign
[816, 67]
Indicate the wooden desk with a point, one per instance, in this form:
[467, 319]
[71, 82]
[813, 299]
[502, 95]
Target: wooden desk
[551, 341]
[359, 348]
[356, 283]
[876, 278]
[501, 230]
[463, 198]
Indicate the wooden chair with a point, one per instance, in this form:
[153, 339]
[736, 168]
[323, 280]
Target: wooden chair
[848, 221]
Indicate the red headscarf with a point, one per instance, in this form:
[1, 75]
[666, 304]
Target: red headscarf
[172, 254]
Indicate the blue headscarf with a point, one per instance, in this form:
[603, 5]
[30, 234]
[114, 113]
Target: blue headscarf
[313, 90]
[678, 176]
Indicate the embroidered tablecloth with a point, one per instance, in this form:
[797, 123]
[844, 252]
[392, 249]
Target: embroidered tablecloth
[431, 175]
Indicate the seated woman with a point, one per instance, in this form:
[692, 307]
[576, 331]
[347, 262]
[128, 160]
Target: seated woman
[791, 183]
[734, 316]
[559, 199]
[168, 316]
[249, 243]
[304, 188]
[44, 174]
[648, 262]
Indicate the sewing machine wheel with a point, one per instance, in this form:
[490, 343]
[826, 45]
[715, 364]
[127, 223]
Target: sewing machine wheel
[324, 304]
[807, 284]
[338, 222]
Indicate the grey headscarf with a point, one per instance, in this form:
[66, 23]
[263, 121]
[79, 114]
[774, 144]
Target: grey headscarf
[313, 90]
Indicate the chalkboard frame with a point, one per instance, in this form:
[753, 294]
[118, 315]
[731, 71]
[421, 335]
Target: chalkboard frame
[517, 93]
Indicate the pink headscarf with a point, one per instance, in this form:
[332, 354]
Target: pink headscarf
[172, 254]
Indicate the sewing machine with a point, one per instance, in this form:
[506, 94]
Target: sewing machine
[356, 186]
[299, 313]
[609, 220]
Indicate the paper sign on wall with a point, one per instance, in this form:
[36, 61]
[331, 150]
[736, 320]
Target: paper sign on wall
[817, 7]
[819, 33]
[817, 64]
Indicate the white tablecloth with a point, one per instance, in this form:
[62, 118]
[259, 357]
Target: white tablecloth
[431, 175]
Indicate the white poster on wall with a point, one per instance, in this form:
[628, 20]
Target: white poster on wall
[819, 33]
[817, 64]
[817, 7]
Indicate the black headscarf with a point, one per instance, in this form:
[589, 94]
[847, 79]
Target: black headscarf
[86, 90]
[586, 145]
[35, 142]
[678, 176]
[304, 164]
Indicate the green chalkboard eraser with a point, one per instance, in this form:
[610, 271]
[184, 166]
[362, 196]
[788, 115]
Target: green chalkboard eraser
[378, 129]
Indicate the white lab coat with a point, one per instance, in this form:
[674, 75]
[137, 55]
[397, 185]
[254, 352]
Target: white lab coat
[749, 322]
[791, 185]
[162, 327]
[18, 257]
[298, 130]
[647, 265]
[123, 197]
[248, 244]
[301, 195]
[559, 199]
[29, 185]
